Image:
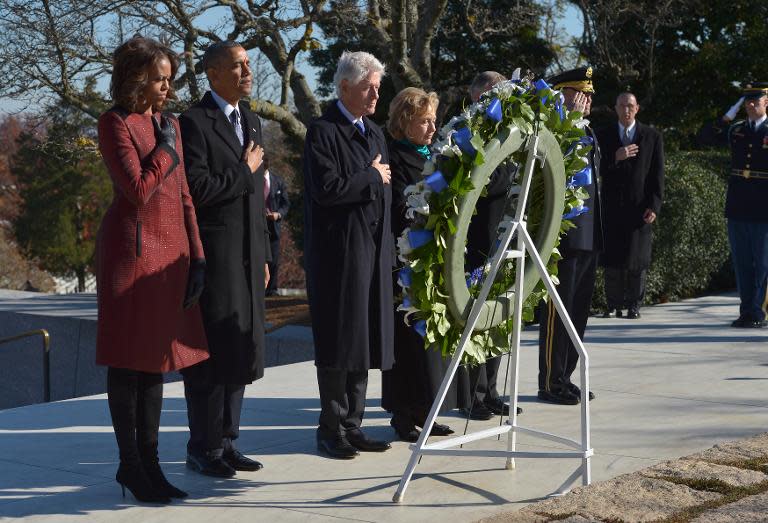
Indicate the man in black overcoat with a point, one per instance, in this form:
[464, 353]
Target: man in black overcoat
[223, 158]
[484, 400]
[632, 169]
[349, 253]
[276, 205]
[576, 270]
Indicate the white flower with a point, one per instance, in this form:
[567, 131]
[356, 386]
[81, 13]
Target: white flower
[429, 168]
[403, 245]
[582, 123]
[417, 203]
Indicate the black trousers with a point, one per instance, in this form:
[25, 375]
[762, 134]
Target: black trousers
[135, 401]
[483, 379]
[342, 400]
[274, 265]
[213, 410]
[557, 354]
[624, 289]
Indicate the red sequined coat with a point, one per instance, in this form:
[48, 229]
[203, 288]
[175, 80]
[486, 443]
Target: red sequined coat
[143, 250]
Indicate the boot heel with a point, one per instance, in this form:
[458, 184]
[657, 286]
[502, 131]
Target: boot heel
[138, 484]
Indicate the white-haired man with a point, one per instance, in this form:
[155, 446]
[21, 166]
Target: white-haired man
[348, 250]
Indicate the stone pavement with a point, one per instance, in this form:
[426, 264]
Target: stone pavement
[674, 383]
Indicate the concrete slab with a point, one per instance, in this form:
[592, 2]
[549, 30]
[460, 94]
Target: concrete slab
[752, 508]
[673, 383]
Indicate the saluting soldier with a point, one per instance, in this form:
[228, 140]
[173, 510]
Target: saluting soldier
[745, 201]
[576, 271]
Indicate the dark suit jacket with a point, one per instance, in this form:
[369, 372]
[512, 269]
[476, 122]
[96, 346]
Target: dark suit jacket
[348, 244]
[277, 201]
[229, 201]
[629, 188]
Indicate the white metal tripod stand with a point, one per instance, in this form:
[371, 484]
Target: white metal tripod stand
[513, 228]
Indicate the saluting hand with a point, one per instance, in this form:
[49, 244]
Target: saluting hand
[383, 169]
[628, 151]
[578, 102]
[253, 156]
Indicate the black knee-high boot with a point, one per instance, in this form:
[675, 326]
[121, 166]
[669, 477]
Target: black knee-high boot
[122, 394]
[150, 404]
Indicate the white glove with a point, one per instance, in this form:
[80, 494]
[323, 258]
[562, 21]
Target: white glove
[734, 110]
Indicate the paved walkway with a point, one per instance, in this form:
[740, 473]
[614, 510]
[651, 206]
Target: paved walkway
[671, 384]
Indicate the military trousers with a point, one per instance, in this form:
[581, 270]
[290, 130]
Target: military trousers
[749, 252]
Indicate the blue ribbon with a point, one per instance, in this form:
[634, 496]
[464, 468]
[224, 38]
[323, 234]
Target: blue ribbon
[404, 276]
[436, 181]
[540, 85]
[581, 178]
[462, 138]
[559, 108]
[421, 328]
[406, 302]
[584, 140]
[494, 110]
[420, 237]
[577, 211]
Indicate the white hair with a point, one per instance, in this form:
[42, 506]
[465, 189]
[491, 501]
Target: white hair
[354, 67]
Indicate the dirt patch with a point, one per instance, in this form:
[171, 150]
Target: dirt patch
[286, 310]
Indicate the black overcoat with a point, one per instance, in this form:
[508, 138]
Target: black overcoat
[411, 386]
[278, 202]
[629, 188]
[229, 201]
[348, 244]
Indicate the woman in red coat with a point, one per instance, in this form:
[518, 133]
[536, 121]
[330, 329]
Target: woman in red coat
[149, 262]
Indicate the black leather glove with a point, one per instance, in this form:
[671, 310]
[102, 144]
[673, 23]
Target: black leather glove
[195, 283]
[165, 132]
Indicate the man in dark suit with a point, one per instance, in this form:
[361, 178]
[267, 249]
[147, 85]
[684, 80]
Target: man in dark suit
[745, 201]
[223, 158]
[349, 253]
[632, 168]
[484, 400]
[576, 270]
[276, 207]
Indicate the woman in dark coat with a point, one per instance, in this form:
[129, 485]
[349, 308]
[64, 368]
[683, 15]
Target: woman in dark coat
[410, 387]
[149, 262]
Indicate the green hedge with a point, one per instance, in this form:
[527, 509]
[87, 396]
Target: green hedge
[690, 244]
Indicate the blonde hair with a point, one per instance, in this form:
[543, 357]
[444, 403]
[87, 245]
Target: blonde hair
[409, 104]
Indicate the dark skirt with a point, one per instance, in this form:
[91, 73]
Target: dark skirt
[412, 384]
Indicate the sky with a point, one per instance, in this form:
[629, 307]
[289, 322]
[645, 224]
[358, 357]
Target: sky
[570, 21]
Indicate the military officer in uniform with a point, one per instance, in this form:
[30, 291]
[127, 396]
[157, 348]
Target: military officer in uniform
[576, 270]
[745, 202]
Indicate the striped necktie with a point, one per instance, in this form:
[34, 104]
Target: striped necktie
[234, 118]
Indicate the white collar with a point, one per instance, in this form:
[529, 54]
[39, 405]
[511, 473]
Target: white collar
[224, 105]
[630, 129]
[349, 115]
[759, 121]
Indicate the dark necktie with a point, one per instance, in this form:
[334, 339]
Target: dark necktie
[359, 125]
[235, 121]
[626, 139]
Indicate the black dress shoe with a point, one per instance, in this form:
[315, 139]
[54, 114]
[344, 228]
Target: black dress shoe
[238, 461]
[497, 406]
[561, 397]
[747, 322]
[633, 314]
[362, 442]
[215, 467]
[619, 313]
[405, 428]
[478, 412]
[336, 447]
[577, 391]
[440, 430]
[610, 313]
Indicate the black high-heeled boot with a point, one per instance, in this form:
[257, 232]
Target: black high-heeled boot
[138, 483]
[150, 405]
[122, 395]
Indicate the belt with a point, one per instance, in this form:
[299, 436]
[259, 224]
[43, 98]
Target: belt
[750, 173]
